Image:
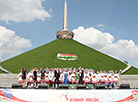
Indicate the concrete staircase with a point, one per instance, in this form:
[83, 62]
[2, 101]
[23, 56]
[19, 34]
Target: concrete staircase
[126, 69]
[6, 80]
[4, 70]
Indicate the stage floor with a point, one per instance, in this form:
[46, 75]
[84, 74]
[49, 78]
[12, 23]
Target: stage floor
[58, 95]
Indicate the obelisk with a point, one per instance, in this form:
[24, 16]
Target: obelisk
[65, 34]
[65, 18]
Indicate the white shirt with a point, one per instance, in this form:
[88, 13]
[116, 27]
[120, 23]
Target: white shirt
[101, 76]
[94, 77]
[73, 77]
[105, 77]
[61, 77]
[46, 75]
[51, 75]
[110, 76]
[116, 76]
[29, 74]
[80, 72]
[86, 77]
[20, 74]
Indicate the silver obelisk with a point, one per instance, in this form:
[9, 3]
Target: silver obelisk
[65, 34]
[65, 18]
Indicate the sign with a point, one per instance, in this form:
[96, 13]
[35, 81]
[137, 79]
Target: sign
[36, 95]
[67, 56]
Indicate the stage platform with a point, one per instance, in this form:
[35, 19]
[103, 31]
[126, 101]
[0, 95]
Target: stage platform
[6, 80]
[58, 95]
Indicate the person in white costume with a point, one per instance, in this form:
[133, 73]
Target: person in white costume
[90, 71]
[101, 77]
[105, 77]
[38, 77]
[51, 78]
[46, 77]
[110, 79]
[69, 77]
[20, 77]
[30, 78]
[116, 78]
[73, 78]
[86, 77]
[61, 78]
[98, 75]
[90, 76]
[94, 78]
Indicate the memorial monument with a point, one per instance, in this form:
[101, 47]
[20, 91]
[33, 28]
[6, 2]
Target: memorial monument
[65, 34]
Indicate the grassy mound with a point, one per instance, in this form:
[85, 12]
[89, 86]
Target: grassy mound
[46, 56]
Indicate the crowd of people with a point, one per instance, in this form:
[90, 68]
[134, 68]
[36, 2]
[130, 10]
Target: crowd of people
[55, 76]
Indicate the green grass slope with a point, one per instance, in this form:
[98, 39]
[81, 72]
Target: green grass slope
[46, 56]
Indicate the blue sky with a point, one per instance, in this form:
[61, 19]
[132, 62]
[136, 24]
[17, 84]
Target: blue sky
[35, 22]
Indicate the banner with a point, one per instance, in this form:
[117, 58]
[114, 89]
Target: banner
[66, 56]
[44, 95]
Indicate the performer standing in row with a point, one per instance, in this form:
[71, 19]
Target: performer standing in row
[56, 75]
[81, 75]
[42, 71]
[20, 77]
[24, 73]
[51, 78]
[66, 77]
[77, 76]
[35, 70]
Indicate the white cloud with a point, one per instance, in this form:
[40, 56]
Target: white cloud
[22, 10]
[122, 49]
[137, 63]
[100, 25]
[93, 37]
[11, 44]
